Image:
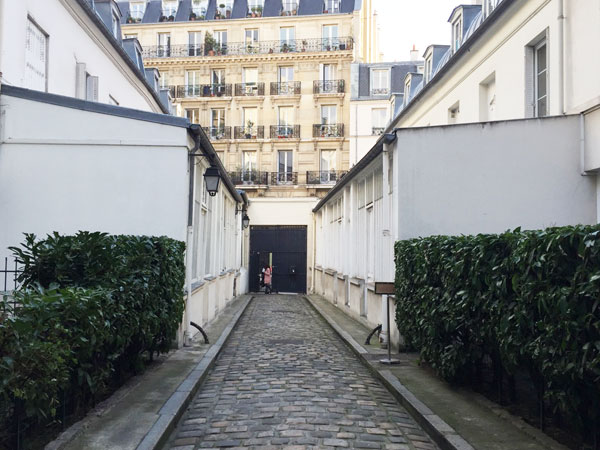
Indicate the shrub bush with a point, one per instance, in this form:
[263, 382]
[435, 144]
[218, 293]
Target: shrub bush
[525, 300]
[92, 307]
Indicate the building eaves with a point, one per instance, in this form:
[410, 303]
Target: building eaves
[453, 60]
[85, 5]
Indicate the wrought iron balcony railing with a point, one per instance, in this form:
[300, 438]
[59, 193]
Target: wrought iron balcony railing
[334, 130]
[254, 132]
[279, 178]
[378, 131]
[380, 91]
[249, 89]
[324, 177]
[202, 90]
[285, 132]
[249, 177]
[218, 133]
[329, 86]
[245, 48]
[286, 88]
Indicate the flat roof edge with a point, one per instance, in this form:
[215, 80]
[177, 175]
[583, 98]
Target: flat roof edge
[94, 107]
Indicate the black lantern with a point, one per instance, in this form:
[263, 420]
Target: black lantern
[245, 221]
[212, 178]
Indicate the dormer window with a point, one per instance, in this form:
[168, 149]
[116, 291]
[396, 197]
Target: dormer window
[199, 8]
[331, 7]
[169, 8]
[255, 8]
[289, 8]
[380, 81]
[407, 90]
[115, 21]
[457, 33]
[224, 9]
[137, 11]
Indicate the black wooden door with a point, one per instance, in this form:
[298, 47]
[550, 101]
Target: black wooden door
[286, 247]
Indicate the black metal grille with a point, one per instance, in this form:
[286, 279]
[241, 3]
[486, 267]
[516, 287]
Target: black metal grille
[333, 130]
[254, 132]
[329, 86]
[203, 90]
[278, 178]
[286, 88]
[249, 177]
[324, 177]
[285, 131]
[249, 89]
[218, 133]
[245, 48]
[9, 273]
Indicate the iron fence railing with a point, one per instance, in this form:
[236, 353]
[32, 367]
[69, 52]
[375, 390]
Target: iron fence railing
[333, 130]
[285, 132]
[249, 177]
[378, 131]
[329, 86]
[286, 88]
[380, 91]
[218, 133]
[245, 48]
[253, 132]
[202, 90]
[249, 89]
[278, 178]
[324, 176]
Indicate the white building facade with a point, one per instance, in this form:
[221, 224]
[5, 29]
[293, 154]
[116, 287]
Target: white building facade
[500, 131]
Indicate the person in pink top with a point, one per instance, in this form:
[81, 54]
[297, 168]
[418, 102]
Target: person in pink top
[268, 272]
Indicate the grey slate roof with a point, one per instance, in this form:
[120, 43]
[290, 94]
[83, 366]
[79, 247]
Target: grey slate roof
[272, 8]
[361, 78]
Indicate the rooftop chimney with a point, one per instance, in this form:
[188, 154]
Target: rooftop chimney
[414, 54]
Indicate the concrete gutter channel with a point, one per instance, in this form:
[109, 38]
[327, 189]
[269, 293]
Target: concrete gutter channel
[177, 403]
[440, 432]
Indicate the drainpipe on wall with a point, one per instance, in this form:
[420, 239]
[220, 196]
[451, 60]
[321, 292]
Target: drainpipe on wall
[562, 56]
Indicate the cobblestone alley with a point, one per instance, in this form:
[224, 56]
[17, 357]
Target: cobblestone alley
[286, 379]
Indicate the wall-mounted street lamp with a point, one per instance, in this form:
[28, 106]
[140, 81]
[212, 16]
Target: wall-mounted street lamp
[212, 178]
[245, 221]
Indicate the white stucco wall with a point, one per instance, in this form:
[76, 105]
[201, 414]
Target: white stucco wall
[361, 126]
[487, 178]
[72, 38]
[63, 169]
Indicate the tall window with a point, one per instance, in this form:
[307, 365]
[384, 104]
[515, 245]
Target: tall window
[192, 83]
[380, 82]
[199, 7]
[286, 116]
[541, 79]
[248, 165]
[193, 115]
[285, 74]
[36, 58]
[169, 7]
[164, 44]
[328, 114]
[457, 33]
[328, 166]
[195, 43]
[428, 68]
[221, 38]
[287, 36]
[331, 6]
[256, 7]
[217, 122]
[285, 166]
[378, 120]
[330, 37]
[137, 10]
[218, 76]
[328, 72]
[407, 91]
[251, 40]
[250, 116]
[250, 79]
[115, 24]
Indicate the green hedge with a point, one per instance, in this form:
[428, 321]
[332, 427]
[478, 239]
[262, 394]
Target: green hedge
[524, 300]
[92, 308]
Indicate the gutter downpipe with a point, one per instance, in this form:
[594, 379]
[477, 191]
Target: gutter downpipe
[314, 252]
[562, 55]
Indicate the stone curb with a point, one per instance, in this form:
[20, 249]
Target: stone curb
[176, 405]
[442, 434]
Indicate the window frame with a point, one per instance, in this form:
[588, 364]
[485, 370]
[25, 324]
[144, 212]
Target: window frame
[379, 86]
[36, 25]
[536, 74]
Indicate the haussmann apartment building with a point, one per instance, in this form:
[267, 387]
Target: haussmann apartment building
[269, 80]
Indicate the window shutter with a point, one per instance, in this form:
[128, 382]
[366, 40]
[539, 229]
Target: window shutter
[92, 89]
[529, 82]
[80, 81]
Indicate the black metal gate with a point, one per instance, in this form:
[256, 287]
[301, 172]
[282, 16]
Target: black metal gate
[285, 246]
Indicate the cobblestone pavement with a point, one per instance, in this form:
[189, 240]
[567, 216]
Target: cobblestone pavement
[286, 380]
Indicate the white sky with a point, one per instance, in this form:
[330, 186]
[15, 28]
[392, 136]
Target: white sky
[403, 23]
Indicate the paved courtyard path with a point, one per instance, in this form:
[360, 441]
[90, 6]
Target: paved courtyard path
[286, 380]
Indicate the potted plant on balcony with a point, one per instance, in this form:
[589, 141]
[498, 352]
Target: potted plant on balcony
[285, 48]
[210, 43]
[249, 127]
[193, 16]
[259, 11]
[162, 18]
[130, 19]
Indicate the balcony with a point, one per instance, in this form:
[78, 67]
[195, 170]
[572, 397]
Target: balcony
[245, 48]
[380, 91]
[377, 131]
[254, 11]
[202, 90]
[328, 177]
[289, 9]
[283, 178]
[223, 13]
[254, 132]
[286, 88]
[334, 130]
[218, 133]
[249, 89]
[249, 178]
[329, 87]
[285, 132]
[167, 15]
